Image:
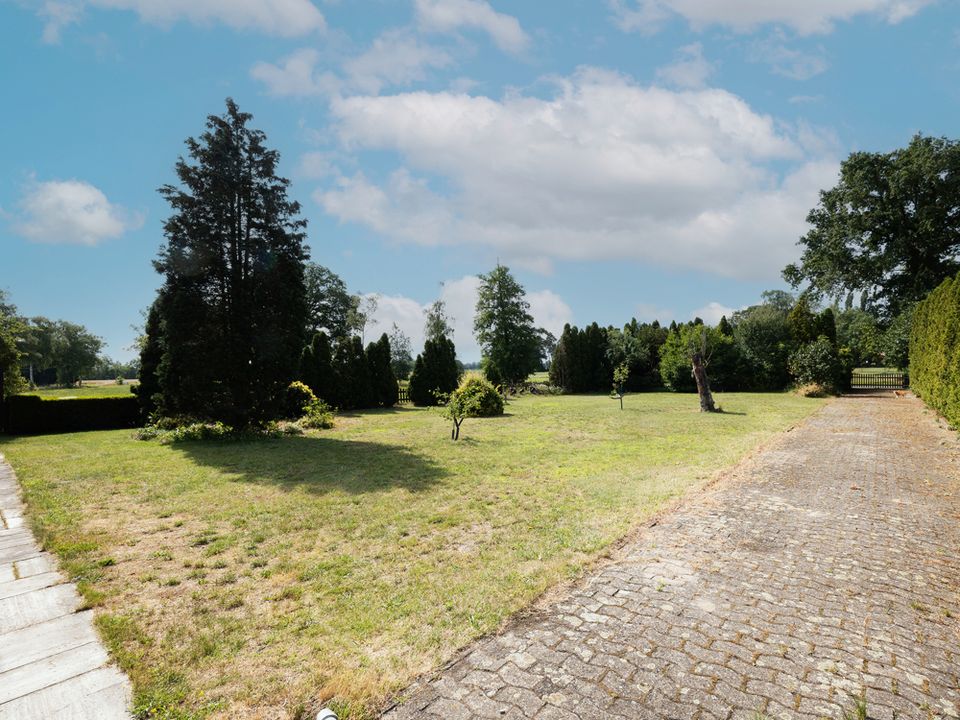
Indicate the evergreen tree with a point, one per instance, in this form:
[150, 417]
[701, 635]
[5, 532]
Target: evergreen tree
[827, 326]
[505, 329]
[316, 368]
[434, 371]
[354, 388]
[151, 354]
[386, 391]
[234, 311]
[725, 327]
[804, 327]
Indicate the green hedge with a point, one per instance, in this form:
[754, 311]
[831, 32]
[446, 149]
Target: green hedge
[33, 415]
[935, 350]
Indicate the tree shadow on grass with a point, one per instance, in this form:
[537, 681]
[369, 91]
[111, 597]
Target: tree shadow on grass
[317, 464]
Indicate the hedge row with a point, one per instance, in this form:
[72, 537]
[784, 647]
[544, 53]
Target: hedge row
[33, 415]
[935, 350]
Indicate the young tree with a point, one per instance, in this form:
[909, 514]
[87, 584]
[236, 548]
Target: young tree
[505, 330]
[234, 308]
[620, 376]
[330, 307]
[438, 323]
[889, 230]
[401, 354]
[685, 356]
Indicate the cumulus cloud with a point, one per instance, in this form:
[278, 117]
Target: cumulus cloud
[690, 70]
[446, 16]
[71, 212]
[285, 18]
[807, 17]
[603, 169]
[460, 297]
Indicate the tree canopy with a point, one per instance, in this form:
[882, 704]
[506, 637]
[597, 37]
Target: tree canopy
[234, 302]
[889, 231]
[504, 327]
[330, 306]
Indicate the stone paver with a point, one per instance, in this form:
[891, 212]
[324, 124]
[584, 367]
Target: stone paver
[825, 567]
[52, 664]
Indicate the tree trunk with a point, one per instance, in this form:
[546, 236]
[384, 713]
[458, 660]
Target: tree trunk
[703, 384]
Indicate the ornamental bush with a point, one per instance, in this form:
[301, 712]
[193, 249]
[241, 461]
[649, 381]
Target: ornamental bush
[935, 350]
[480, 397]
[299, 399]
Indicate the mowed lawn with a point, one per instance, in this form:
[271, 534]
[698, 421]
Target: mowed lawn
[252, 579]
[106, 389]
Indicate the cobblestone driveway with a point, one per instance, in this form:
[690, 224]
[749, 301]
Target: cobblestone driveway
[826, 567]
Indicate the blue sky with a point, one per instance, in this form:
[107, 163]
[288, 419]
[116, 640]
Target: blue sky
[648, 158]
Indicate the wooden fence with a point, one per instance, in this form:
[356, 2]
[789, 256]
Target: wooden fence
[879, 381]
[404, 396]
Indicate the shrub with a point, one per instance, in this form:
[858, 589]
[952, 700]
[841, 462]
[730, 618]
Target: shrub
[317, 416]
[935, 350]
[479, 397]
[818, 363]
[33, 415]
[299, 399]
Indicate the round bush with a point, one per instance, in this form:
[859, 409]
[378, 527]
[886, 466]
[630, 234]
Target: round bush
[818, 363]
[299, 399]
[479, 397]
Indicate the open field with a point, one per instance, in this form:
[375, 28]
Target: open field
[88, 389]
[247, 579]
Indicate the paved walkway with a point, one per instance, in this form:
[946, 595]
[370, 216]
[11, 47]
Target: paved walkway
[825, 567]
[52, 665]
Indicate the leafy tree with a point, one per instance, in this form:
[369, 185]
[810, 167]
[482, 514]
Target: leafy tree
[818, 363]
[316, 368]
[505, 330]
[476, 397]
[620, 377]
[688, 352]
[12, 330]
[896, 339]
[362, 315]
[889, 230]
[401, 354]
[438, 323]
[435, 372]
[234, 308]
[761, 335]
[859, 331]
[330, 307]
[548, 346]
[75, 352]
[386, 391]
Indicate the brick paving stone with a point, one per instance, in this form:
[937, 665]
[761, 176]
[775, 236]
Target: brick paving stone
[824, 567]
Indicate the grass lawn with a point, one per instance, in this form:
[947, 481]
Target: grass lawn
[109, 389]
[250, 579]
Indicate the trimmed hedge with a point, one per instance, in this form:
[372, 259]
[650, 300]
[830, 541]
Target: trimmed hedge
[935, 350]
[33, 415]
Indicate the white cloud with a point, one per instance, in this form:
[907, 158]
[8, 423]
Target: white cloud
[690, 70]
[807, 17]
[604, 169]
[296, 75]
[286, 18]
[712, 312]
[394, 58]
[787, 61]
[71, 212]
[460, 297]
[648, 312]
[446, 16]
[316, 165]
